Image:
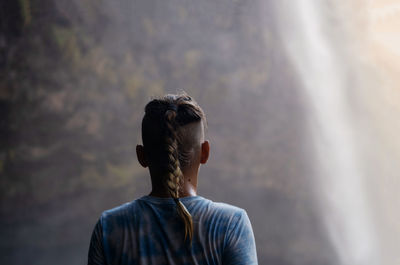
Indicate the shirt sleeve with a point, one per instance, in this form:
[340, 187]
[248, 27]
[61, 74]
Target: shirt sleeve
[96, 253]
[240, 247]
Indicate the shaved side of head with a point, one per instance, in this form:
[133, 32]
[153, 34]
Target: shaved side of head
[190, 138]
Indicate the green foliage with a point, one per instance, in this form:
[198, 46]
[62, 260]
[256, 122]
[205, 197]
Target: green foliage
[67, 43]
[78, 76]
[25, 7]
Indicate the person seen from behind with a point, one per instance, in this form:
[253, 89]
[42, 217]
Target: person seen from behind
[173, 225]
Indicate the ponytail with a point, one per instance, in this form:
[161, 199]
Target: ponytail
[175, 176]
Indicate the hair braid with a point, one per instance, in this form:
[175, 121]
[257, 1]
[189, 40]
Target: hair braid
[165, 149]
[174, 178]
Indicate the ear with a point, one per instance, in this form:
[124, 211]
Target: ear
[140, 155]
[205, 152]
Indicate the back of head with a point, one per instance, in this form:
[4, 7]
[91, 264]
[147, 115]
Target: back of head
[167, 141]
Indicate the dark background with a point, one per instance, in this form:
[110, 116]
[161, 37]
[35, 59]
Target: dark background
[75, 77]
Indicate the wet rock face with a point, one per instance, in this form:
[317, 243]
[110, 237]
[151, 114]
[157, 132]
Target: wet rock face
[76, 76]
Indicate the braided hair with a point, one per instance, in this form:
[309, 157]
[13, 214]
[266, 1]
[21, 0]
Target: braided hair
[164, 148]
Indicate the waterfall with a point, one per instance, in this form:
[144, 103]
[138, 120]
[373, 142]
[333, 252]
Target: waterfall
[322, 69]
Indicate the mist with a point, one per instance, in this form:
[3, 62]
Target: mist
[302, 103]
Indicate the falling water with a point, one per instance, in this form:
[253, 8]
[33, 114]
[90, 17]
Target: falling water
[322, 71]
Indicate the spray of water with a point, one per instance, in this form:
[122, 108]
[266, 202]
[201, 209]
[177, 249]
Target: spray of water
[322, 71]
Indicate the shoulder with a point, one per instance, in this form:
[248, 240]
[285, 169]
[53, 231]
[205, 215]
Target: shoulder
[225, 209]
[232, 215]
[221, 213]
[121, 212]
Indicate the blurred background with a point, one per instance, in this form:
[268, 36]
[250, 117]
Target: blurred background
[303, 105]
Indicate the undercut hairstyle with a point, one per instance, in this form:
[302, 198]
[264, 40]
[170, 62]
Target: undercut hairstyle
[166, 146]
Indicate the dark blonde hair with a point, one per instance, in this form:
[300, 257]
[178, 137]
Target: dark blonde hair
[164, 147]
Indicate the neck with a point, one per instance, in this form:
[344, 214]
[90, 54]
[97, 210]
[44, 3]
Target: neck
[189, 187]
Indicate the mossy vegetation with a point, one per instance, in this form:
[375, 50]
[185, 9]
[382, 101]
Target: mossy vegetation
[75, 76]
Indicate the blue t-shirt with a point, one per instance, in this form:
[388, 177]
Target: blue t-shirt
[149, 231]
